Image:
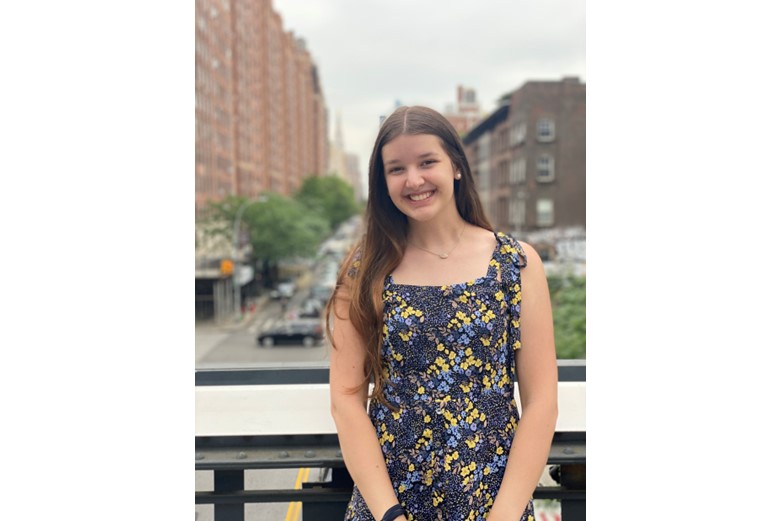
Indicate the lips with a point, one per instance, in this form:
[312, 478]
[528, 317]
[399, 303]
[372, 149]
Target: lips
[421, 196]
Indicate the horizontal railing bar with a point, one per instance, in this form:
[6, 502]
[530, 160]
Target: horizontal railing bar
[326, 454]
[320, 440]
[334, 495]
[569, 371]
[318, 494]
[280, 441]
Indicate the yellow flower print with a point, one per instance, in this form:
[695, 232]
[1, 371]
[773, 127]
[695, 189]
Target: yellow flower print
[449, 458]
[499, 295]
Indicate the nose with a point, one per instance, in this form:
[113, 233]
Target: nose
[414, 179]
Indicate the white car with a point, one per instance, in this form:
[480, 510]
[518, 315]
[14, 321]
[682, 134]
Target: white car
[284, 290]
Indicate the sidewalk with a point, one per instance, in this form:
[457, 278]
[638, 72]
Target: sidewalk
[239, 323]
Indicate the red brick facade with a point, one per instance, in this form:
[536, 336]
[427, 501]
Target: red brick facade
[260, 116]
[533, 152]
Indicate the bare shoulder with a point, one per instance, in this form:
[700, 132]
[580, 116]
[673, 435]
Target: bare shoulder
[533, 274]
[531, 254]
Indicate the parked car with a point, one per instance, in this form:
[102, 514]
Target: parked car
[297, 332]
[310, 308]
[285, 289]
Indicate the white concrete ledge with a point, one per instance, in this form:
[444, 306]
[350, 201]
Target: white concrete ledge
[248, 410]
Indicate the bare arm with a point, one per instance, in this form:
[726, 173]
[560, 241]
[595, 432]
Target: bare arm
[357, 437]
[537, 373]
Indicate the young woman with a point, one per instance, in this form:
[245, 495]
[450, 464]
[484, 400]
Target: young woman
[428, 310]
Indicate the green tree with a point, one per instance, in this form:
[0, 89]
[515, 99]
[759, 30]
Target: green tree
[568, 299]
[332, 196]
[282, 228]
[279, 228]
[221, 215]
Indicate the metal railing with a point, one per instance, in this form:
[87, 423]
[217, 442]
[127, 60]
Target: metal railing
[228, 455]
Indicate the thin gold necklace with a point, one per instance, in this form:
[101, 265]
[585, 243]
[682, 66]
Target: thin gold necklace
[443, 255]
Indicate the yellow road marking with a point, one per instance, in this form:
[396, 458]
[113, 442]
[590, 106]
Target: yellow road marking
[295, 506]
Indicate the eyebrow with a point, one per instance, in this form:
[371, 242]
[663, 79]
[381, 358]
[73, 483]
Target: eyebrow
[421, 156]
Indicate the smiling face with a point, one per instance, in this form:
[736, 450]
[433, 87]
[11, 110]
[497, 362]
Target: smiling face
[420, 176]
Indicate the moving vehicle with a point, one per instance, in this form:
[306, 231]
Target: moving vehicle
[295, 332]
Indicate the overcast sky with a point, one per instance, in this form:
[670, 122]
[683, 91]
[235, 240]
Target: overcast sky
[371, 53]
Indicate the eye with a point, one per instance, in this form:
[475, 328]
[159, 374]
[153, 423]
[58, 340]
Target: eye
[429, 162]
[394, 170]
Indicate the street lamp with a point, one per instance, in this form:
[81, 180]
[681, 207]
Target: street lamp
[236, 259]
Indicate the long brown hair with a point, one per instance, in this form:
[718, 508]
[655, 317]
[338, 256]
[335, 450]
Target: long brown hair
[385, 239]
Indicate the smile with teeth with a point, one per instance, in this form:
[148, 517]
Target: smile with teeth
[420, 197]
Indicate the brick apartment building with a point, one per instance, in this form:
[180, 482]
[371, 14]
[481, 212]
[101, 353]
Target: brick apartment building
[260, 125]
[260, 115]
[529, 158]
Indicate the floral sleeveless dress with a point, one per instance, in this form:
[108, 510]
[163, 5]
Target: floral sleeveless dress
[448, 354]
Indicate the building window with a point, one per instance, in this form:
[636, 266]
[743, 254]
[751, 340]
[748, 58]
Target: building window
[545, 171]
[518, 170]
[517, 133]
[546, 130]
[544, 212]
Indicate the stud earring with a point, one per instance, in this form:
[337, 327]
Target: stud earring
[458, 175]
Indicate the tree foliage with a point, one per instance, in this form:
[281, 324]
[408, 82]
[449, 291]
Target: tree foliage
[331, 196]
[282, 228]
[568, 299]
[221, 214]
[279, 227]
